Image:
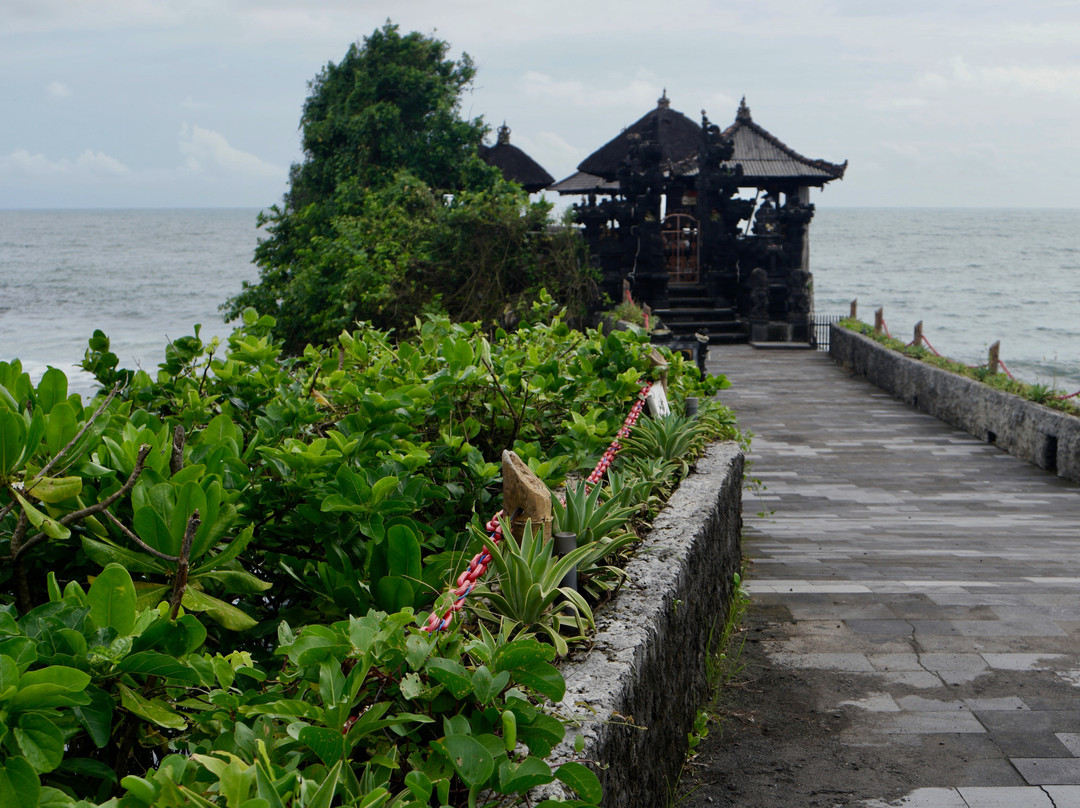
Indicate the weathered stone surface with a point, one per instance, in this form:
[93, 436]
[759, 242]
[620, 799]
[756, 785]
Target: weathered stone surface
[1044, 437]
[633, 695]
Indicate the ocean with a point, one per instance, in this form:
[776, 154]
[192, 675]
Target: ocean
[973, 276]
[141, 276]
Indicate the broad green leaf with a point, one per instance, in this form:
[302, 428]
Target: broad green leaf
[12, 440]
[452, 674]
[57, 489]
[152, 663]
[152, 529]
[392, 594]
[60, 427]
[97, 715]
[223, 671]
[238, 581]
[328, 744]
[520, 778]
[54, 686]
[486, 686]
[470, 759]
[22, 650]
[53, 587]
[189, 498]
[19, 784]
[582, 780]
[105, 553]
[403, 552]
[219, 611]
[49, 526]
[40, 741]
[285, 708]
[155, 711]
[52, 389]
[55, 798]
[9, 676]
[382, 488]
[419, 785]
[112, 600]
[543, 678]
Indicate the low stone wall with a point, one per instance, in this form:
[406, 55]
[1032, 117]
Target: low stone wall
[633, 695]
[1047, 438]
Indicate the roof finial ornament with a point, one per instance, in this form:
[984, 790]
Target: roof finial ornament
[504, 134]
[744, 111]
[663, 102]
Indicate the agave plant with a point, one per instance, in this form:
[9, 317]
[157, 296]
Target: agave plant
[670, 437]
[528, 590]
[627, 488]
[585, 514]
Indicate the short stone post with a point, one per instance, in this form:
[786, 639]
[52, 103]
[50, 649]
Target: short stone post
[917, 342]
[855, 309]
[879, 321]
[566, 543]
[992, 360]
[525, 497]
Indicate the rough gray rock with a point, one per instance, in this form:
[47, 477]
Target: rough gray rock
[1044, 437]
[634, 694]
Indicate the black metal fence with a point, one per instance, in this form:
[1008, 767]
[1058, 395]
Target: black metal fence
[820, 334]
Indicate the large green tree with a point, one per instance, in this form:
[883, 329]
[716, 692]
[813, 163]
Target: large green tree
[392, 211]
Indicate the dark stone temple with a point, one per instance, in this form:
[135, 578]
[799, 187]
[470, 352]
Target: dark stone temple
[663, 218]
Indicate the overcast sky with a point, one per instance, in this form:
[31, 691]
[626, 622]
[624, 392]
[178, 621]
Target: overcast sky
[133, 103]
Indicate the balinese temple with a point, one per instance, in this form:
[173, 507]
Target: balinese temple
[515, 164]
[662, 216]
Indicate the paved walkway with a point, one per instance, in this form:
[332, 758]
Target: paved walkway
[933, 577]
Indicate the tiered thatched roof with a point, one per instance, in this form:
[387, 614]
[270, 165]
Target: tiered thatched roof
[764, 158]
[515, 164]
[677, 136]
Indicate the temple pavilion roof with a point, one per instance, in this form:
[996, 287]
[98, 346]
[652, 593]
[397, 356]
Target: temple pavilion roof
[765, 159]
[515, 164]
[677, 136]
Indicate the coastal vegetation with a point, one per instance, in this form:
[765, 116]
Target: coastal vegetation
[1038, 393]
[392, 213]
[216, 575]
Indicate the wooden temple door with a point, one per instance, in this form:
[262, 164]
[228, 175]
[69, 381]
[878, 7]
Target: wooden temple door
[680, 236]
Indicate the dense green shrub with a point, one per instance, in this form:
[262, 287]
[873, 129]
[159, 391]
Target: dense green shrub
[214, 575]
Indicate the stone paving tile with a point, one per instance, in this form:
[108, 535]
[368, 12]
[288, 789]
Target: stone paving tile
[1023, 662]
[1031, 720]
[1003, 703]
[831, 662]
[1030, 744]
[923, 680]
[1064, 796]
[1049, 771]
[1071, 741]
[963, 721]
[1018, 797]
[920, 704]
